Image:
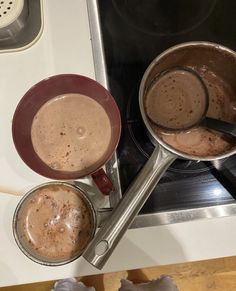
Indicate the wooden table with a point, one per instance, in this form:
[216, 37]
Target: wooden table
[217, 275]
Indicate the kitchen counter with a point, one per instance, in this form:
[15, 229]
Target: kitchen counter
[56, 53]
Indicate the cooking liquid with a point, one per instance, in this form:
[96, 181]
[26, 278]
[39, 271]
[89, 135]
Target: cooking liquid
[55, 223]
[71, 132]
[177, 100]
[201, 141]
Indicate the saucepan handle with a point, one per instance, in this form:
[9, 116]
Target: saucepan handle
[106, 239]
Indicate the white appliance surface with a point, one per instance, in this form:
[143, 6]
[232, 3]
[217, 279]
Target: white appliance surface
[64, 47]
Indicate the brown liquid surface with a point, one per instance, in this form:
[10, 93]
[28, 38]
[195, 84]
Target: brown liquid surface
[71, 132]
[177, 100]
[200, 141]
[55, 223]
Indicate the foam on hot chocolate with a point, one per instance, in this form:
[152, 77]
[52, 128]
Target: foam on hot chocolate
[176, 100]
[55, 223]
[199, 141]
[71, 132]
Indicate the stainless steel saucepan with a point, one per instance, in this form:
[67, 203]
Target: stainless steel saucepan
[216, 58]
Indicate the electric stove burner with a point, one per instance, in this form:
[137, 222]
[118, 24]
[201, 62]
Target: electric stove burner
[161, 17]
[140, 138]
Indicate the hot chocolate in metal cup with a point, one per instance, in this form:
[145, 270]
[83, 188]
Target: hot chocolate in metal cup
[25, 247]
[220, 60]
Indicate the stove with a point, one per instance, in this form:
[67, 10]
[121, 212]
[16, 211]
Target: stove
[134, 32]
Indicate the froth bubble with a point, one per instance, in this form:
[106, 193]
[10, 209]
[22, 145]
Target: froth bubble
[56, 165]
[80, 131]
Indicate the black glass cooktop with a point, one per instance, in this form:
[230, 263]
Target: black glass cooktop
[134, 33]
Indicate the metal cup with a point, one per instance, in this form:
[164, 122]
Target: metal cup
[25, 247]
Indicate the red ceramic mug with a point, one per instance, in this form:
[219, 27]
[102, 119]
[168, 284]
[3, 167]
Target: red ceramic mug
[36, 97]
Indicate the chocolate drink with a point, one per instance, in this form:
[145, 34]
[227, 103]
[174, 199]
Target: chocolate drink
[55, 223]
[177, 100]
[201, 141]
[71, 132]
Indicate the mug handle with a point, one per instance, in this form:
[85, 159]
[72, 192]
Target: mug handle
[103, 182]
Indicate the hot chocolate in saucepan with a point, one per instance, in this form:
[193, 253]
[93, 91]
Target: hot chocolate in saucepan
[177, 100]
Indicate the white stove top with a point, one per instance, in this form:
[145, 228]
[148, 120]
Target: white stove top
[64, 47]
